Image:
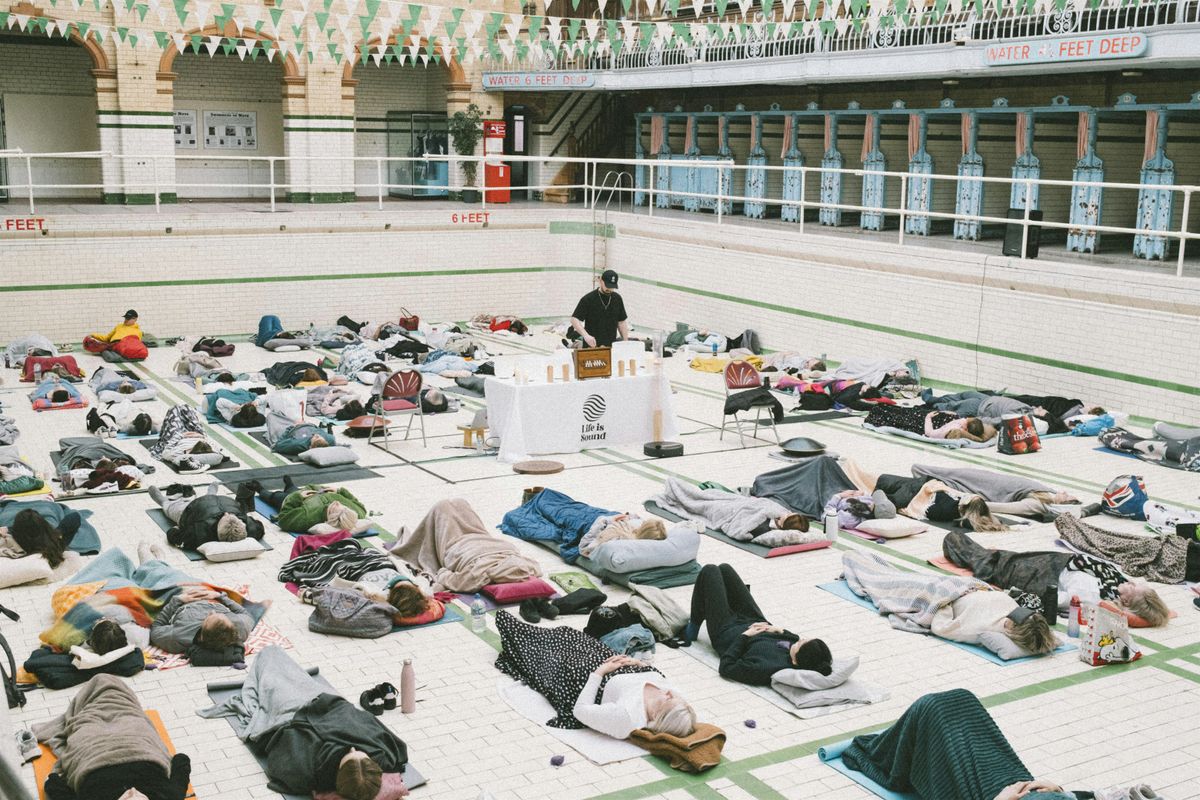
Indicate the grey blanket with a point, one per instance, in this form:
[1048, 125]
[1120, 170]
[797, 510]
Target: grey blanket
[871, 371]
[735, 515]
[804, 487]
[104, 724]
[276, 687]
[908, 599]
[995, 487]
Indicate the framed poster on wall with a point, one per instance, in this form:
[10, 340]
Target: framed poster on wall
[230, 130]
[185, 130]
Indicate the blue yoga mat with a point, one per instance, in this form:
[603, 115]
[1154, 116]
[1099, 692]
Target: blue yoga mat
[832, 755]
[450, 616]
[268, 511]
[842, 589]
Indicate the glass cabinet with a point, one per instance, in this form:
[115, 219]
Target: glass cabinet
[416, 135]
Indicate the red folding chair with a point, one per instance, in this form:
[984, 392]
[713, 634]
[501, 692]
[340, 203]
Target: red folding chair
[739, 376]
[398, 395]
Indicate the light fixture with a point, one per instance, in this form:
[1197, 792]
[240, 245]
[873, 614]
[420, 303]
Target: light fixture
[950, 82]
[1131, 73]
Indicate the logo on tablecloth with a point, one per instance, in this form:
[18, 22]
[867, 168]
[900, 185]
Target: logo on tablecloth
[593, 409]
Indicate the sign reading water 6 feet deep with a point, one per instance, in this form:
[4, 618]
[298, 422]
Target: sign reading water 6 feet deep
[1100, 47]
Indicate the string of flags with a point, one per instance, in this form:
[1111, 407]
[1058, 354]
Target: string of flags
[386, 31]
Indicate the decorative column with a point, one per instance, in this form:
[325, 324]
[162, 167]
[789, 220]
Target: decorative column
[874, 186]
[1086, 201]
[969, 199]
[639, 153]
[662, 177]
[831, 182]
[1155, 205]
[792, 181]
[756, 177]
[1027, 165]
[691, 150]
[920, 185]
[725, 173]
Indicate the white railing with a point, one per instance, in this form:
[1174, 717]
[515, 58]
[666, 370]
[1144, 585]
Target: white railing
[829, 35]
[277, 169]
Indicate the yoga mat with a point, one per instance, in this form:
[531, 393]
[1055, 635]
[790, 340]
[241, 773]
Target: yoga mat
[44, 765]
[32, 492]
[759, 550]
[132, 436]
[842, 589]
[164, 524]
[832, 756]
[450, 616]
[269, 512]
[703, 652]
[816, 417]
[300, 474]
[228, 463]
[953, 444]
[221, 691]
[260, 436]
[946, 565]
[595, 747]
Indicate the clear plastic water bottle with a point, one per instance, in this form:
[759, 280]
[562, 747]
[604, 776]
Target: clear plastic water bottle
[714, 349]
[37, 373]
[1073, 614]
[478, 615]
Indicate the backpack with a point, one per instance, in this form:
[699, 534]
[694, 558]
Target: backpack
[342, 612]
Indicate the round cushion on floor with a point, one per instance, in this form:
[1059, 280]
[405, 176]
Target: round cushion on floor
[802, 446]
[538, 467]
[663, 449]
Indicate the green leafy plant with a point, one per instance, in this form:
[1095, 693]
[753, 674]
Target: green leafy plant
[466, 130]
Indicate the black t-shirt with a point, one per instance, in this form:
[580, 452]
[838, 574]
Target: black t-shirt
[600, 314]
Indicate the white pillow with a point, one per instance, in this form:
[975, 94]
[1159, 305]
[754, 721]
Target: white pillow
[809, 679]
[329, 456]
[29, 569]
[231, 551]
[895, 528]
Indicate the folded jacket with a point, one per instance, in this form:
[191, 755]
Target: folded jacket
[695, 753]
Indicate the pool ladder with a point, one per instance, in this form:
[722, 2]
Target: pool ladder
[611, 184]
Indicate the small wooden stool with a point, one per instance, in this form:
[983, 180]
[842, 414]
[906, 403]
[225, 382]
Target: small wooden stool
[469, 433]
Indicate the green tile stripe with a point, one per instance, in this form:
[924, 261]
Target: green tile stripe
[924, 337]
[294, 129]
[319, 116]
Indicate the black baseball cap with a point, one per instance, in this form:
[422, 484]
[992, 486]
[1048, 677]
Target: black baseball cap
[131, 314]
[609, 278]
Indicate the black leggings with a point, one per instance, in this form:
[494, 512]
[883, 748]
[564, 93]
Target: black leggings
[275, 499]
[1192, 565]
[720, 597]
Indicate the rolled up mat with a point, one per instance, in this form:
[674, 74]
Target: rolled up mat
[832, 755]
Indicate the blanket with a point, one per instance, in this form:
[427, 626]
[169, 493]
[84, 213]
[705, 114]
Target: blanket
[553, 517]
[908, 599]
[871, 371]
[1159, 559]
[806, 486]
[953, 444]
[735, 515]
[276, 687]
[995, 487]
[452, 544]
[104, 724]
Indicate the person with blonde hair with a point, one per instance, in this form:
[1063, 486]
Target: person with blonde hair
[930, 423]
[588, 684]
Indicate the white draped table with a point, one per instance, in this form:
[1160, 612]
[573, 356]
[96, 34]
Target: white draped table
[566, 417]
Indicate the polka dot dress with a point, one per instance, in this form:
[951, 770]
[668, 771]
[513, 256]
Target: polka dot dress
[906, 419]
[554, 662]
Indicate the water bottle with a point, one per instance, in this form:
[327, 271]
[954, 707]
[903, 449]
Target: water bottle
[831, 526]
[1073, 617]
[408, 688]
[714, 349]
[37, 373]
[478, 615]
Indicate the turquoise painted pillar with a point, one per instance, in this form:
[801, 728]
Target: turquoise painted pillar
[639, 173]
[792, 181]
[756, 177]
[662, 175]
[691, 150]
[831, 182]
[1026, 166]
[725, 174]
[873, 184]
[920, 185]
[1155, 205]
[969, 199]
[1086, 200]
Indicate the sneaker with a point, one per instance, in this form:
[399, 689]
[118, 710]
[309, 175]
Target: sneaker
[246, 492]
[27, 746]
[529, 612]
[190, 466]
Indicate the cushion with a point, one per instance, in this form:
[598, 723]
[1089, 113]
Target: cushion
[632, 555]
[392, 788]
[398, 404]
[286, 345]
[516, 592]
[231, 551]
[894, 528]
[211, 459]
[432, 613]
[1002, 646]
[329, 456]
[809, 679]
[16, 571]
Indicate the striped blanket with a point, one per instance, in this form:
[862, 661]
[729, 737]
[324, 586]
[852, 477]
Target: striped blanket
[908, 599]
[347, 558]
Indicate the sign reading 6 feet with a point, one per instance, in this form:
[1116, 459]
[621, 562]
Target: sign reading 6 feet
[470, 218]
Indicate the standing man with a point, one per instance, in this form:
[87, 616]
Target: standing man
[600, 314]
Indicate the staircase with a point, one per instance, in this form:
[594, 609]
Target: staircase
[596, 133]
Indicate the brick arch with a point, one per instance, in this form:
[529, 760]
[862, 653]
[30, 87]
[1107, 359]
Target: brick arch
[458, 78]
[94, 51]
[290, 70]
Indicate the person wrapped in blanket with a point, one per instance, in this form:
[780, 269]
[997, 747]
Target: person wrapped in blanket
[287, 432]
[588, 684]
[54, 390]
[209, 517]
[107, 749]
[359, 362]
[952, 607]
[107, 382]
[184, 443]
[314, 741]
[947, 745]
[235, 407]
[1172, 446]
[127, 327]
[1090, 579]
[930, 423]
[821, 394]
[42, 528]
[751, 648]
[335, 402]
[312, 508]
[89, 463]
[120, 416]
[32, 345]
[16, 477]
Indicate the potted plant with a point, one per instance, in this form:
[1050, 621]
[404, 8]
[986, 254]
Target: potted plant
[466, 130]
